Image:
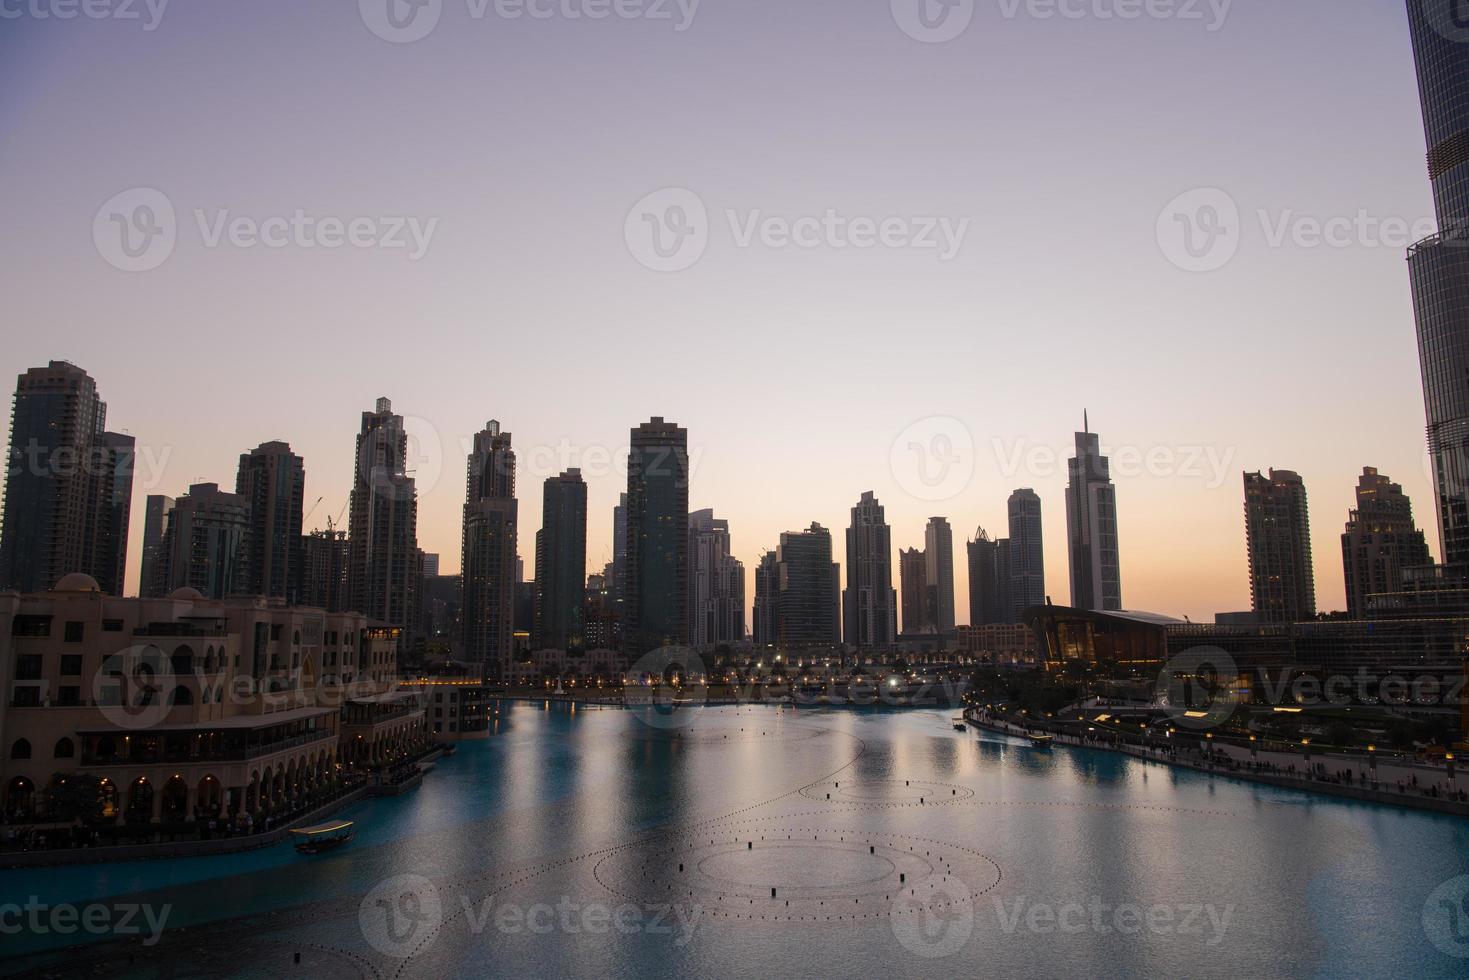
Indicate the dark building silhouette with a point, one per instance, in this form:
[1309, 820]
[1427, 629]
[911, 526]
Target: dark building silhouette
[273, 480]
[913, 582]
[561, 564]
[490, 561]
[1380, 542]
[1278, 536]
[807, 610]
[206, 542]
[383, 524]
[68, 488]
[657, 598]
[1024, 556]
[870, 603]
[324, 559]
[984, 595]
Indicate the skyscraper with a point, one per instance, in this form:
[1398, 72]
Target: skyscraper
[273, 480]
[561, 564]
[116, 456]
[151, 580]
[68, 488]
[491, 525]
[938, 552]
[716, 584]
[766, 626]
[657, 595]
[869, 602]
[1024, 555]
[984, 596]
[206, 542]
[806, 603]
[1380, 541]
[324, 559]
[913, 581]
[383, 524]
[1278, 537]
[1439, 266]
[1091, 525]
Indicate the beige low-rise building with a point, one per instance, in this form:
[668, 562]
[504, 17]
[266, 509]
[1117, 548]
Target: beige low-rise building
[184, 707]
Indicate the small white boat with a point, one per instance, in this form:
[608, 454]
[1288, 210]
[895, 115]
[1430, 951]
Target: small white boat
[960, 725]
[1041, 740]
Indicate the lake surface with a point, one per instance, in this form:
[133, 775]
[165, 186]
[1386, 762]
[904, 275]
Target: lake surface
[612, 843]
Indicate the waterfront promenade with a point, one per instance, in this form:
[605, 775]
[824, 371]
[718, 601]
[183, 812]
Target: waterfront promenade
[1390, 782]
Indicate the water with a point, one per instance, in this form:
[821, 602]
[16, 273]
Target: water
[553, 847]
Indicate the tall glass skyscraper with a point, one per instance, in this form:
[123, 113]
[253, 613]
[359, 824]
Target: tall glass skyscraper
[1439, 266]
[273, 480]
[657, 601]
[1091, 525]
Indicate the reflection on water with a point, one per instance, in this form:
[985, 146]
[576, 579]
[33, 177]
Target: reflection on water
[1054, 852]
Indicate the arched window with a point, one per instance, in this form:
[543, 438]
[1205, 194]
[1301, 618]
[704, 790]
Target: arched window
[21, 749]
[65, 749]
[182, 695]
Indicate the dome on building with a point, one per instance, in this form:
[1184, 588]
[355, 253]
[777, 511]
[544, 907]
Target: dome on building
[186, 594]
[77, 582]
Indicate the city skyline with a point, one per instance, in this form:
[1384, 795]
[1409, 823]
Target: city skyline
[1325, 581]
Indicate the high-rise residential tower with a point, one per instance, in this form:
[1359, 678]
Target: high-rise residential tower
[1439, 266]
[938, 553]
[491, 525]
[206, 542]
[657, 596]
[1278, 537]
[561, 564]
[1091, 526]
[273, 480]
[1380, 541]
[1023, 555]
[383, 523]
[869, 603]
[806, 602]
[68, 488]
[914, 588]
[716, 584]
[984, 595]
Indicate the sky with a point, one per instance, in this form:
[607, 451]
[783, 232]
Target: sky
[894, 252]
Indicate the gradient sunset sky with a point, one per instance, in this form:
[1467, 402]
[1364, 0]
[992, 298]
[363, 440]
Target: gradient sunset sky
[1060, 140]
